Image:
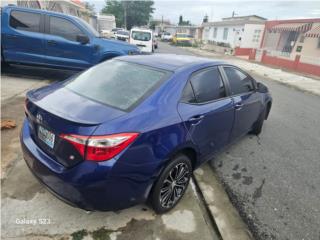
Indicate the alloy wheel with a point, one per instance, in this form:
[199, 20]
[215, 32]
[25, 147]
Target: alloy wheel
[174, 185]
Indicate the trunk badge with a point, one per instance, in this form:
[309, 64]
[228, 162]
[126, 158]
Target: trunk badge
[39, 118]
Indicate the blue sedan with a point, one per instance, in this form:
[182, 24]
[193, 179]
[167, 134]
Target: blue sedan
[132, 129]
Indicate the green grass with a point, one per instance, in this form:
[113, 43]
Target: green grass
[101, 234]
[79, 235]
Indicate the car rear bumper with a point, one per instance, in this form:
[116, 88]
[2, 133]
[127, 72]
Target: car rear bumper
[88, 185]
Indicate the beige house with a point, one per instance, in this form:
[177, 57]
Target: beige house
[311, 44]
[292, 44]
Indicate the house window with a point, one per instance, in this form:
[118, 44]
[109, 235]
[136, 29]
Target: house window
[215, 32]
[225, 33]
[256, 35]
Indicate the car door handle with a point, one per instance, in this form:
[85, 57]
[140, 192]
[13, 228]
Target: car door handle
[52, 42]
[238, 106]
[196, 119]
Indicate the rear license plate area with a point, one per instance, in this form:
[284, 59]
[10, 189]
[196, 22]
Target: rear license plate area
[46, 136]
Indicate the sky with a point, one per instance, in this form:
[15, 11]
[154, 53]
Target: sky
[194, 11]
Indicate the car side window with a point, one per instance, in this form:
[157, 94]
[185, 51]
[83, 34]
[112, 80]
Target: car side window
[208, 85]
[239, 82]
[25, 21]
[64, 28]
[188, 94]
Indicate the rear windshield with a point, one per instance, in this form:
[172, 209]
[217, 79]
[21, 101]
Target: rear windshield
[182, 35]
[123, 33]
[141, 36]
[117, 83]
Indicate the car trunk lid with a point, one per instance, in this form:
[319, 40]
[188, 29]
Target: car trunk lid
[55, 111]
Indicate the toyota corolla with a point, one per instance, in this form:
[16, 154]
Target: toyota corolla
[132, 129]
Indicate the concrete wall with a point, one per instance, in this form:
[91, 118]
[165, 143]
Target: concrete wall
[234, 33]
[270, 40]
[238, 35]
[310, 47]
[296, 64]
[248, 40]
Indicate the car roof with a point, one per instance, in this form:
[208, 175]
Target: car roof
[170, 62]
[14, 7]
[141, 30]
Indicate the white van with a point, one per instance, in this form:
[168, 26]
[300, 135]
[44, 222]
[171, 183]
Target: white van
[143, 38]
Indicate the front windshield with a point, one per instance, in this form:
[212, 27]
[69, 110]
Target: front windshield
[141, 36]
[89, 28]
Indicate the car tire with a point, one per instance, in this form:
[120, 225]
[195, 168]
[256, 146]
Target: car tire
[257, 127]
[171, 185]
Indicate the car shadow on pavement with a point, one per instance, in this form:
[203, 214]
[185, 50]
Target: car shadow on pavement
[36, 72]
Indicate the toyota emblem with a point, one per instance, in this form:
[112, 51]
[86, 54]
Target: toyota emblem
[39, 118]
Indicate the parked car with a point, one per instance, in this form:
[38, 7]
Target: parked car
[114, 31]
[106, 33]
[139, 131]
[143, 38]
[122, 35]
[167, 37]
[37, 37]
[182, 39]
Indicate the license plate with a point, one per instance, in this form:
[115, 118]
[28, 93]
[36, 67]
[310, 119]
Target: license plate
[46, 136]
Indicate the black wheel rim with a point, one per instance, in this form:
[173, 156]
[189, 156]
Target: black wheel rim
[174, 185]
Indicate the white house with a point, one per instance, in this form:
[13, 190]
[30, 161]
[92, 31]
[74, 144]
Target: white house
[106, 22]
[235, 32]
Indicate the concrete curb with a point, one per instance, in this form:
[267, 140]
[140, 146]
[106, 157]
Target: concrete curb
[226, 217]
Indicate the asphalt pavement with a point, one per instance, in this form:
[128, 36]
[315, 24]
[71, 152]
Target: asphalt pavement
[273, 180]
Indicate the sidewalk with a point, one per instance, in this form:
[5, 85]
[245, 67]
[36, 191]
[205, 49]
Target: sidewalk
[303, 83]
[226, 216]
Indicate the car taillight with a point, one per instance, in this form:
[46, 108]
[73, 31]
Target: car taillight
[100, 148]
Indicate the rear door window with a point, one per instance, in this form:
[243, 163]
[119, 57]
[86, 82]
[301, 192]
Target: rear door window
[239, 81]
[119, 84]
[25, 21]
[188, 94]
[64, 28]
[208, 85]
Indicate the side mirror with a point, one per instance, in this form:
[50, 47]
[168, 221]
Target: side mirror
[83, 39]
[262, 88]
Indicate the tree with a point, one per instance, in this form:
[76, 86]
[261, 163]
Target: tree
[182, 22]
[129, 13]
[153, 24]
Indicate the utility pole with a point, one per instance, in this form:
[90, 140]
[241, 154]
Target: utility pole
[234, 14]
[162, 23]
